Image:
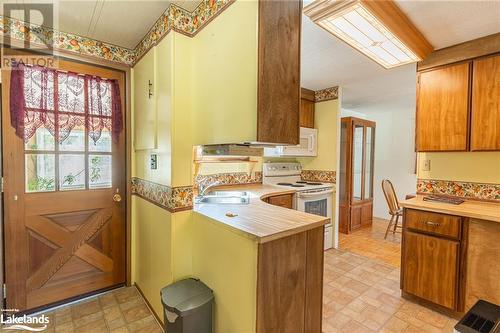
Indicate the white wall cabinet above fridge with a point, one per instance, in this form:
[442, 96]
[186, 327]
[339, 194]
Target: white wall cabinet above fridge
[308, 145]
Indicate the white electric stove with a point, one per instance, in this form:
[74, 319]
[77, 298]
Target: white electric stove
[311, 197]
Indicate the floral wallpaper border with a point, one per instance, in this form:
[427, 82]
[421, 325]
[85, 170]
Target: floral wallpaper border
[173, 199]
[467, 190]
[174, 18]
[319, 176]
[230, 178]
[182, 21]
[326, 94]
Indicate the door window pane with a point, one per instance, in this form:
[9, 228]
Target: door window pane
[72, 133]
[100, 175]
[103, 144]
[71, 172]
[41, 140]
[40, 172]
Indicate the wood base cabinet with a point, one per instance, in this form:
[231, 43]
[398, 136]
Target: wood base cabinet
[432, 257]
[290, 283]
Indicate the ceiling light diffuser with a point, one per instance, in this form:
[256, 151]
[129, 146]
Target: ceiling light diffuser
[361, 25]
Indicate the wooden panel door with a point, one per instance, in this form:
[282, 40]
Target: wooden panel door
[64, 226]
[443, 109]
[278, 92]
[430, 268]
[485, 127]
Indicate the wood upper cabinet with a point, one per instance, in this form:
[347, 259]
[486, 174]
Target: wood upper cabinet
[485, 120]
[306, 108]
[279, 71]
[430, 268]
[443, 109]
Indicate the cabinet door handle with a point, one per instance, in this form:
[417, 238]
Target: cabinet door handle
[432, 224]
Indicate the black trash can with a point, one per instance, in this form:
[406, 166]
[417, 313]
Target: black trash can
[188, 307]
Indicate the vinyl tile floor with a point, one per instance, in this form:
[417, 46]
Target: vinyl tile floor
[122, 310]
[361, 288]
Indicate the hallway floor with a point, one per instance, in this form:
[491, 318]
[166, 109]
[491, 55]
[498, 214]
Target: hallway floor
[118, 311]
[361, 288]
[369, 242]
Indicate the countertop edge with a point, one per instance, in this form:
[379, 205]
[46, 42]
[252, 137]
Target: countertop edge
[272, 236]
[451, 210]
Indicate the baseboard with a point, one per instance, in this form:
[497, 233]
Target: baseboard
[160, 322]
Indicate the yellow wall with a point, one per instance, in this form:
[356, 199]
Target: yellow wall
[227, 262]
[206, 92]
[325, 120]
[480, 167]
[224, 91]
[151, 250]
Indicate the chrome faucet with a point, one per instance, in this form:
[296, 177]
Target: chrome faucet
[204, 188]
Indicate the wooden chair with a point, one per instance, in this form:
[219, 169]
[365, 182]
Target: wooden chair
[394, 209]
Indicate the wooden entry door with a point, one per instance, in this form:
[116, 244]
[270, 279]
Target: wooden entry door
[64, 224]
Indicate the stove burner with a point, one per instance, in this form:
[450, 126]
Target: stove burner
[285, 184]
[314, 184]
[301, 182]
[297, 185]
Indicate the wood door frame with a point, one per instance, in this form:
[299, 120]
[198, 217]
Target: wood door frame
[126, 70]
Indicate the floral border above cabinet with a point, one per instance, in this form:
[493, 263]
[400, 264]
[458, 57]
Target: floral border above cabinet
[326, 94]
[174, 18]
[467, 190]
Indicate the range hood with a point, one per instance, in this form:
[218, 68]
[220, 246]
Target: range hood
[246, 149]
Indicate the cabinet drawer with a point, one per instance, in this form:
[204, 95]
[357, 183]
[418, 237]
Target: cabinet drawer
[281, 200]
[435, 223]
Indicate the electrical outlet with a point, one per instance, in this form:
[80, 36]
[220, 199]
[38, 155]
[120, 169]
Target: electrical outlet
[154, 162]
[427, 165]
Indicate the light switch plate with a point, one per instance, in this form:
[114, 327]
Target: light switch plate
[427, 165]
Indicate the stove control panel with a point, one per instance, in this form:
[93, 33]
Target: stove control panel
[281, 169]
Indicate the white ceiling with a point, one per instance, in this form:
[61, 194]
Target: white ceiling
[327, 61]
[119, 22]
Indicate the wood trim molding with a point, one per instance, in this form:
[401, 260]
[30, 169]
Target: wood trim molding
[399, 24]
[468, 50]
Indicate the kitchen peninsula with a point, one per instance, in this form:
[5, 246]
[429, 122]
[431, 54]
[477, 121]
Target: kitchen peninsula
[265, 260]
[450, 253]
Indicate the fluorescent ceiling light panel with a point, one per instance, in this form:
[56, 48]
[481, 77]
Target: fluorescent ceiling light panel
[358, 27]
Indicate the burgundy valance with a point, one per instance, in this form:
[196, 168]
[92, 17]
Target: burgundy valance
[60, 101]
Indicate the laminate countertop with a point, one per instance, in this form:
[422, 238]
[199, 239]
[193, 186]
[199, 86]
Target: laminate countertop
[475, 209]
[259, 220]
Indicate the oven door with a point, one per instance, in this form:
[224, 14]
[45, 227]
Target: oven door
[318, 203]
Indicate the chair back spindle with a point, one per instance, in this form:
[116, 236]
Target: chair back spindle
[390, 196]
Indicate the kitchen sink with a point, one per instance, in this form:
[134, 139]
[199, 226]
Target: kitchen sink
[224, 197]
